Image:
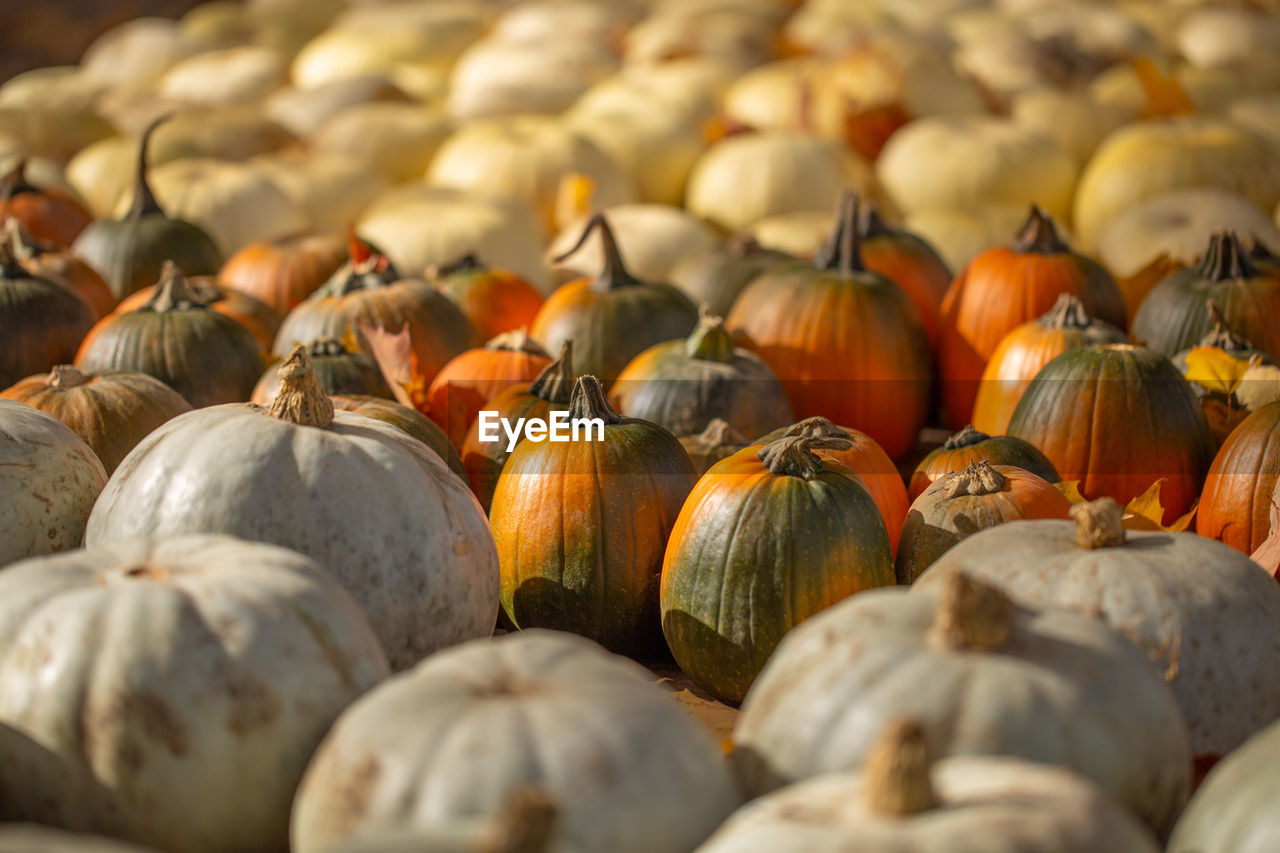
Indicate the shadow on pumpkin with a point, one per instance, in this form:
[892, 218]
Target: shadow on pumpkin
[722, 667]
[545, 603]
[84, 804]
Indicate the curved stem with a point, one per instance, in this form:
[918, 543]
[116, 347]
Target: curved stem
[720, 433]
[1038, 234]
[1067, 313]
[871, 225]
[16, 183]
[555, 383]
[709, 340]
[144, 200]
[300, 399]
[896, 774]
[818, 427]
[615, 273]
[966, 437]
[1226, 259]
[978, 479]
[66, 376]
[972, 615]
[843, 250]
[1221, 335]
[793, 455]
[589, 402]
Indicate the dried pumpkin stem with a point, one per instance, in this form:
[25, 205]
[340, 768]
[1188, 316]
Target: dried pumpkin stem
[1226, 259]
[517, 340]
[816, 426]
[300, 399]
[10, 265]
[66, 376]
[1067, 313]
[144, 200]
[615, 272]
[555, 383]
[966, 437]
[16, 182]
[843, 250]
[467, 263]
[721, 433]
[1221, 335]
[896, 775]
[710, 340]
[1038, 234]
[977, 479]
[526, 825]
[972, 615]
[1099, 524]
[325, 347]
[173, 292]
[589, 402]
[871, 225]
[793, 456]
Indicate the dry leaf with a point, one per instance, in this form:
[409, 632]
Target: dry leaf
[1071, 491]
[1145, 512]
[399, 364]
[1268, 553]
[1165, 95]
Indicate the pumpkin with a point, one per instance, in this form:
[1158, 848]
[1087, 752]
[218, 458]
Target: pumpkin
[494, 300]
[684, 384]
[281, 273]
[715, 276]
[329, 190]
[205, 356]
[1216, 369]
[49, 479]
[1077, 121]
[613, 317]
[1235, 503]
[1005, 287]
[100, 173]
[909, 262]
[1027, 348]
[52, 131]
[905, 801]
[402, 534]
[111, 410]
[471, 379]
[251, 652]
[26, 838]
[41, 322]
[501, 75]
[961, 234]
[407, 419]
[767, 538]
[969, 446]
[839, 335]
[243, 74]
[368, 290]
[960, 503]
[983, 676]
[461, 733]
[1071, 410]
[581, 525]
[136, 51]
[654, 238]
[718, 441]
[129, 252]
[50, 214]
[1174, 316]
[260, 319]
[338, 370]
[303, 110]
[59, 265]
[550, 392]
[865, 458]
[1190, 603]
[1231, 810]
[396, 140]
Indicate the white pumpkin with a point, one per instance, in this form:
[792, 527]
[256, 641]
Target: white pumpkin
[33, 838]
[330, 190]
[743, 179]
[591, 20]
[1259, 113]
[459, 733]
[103, 172]
[49, 479]
[397, 140]
[1179, 224]
[235, 75]
[800, 234]
[496, 76]
[904, 802]
[983, 677]
[1077, 122]
[53, 132]
[224, 133]
[960, 235]
[1213, 37]
[654, 238]
[304, 111]
[960, 163]
[655, 147]
[374, 506]
[172, 691]
[741, 41]
[136, 51]
[1205, 614]
[684, 88]
[59, 86]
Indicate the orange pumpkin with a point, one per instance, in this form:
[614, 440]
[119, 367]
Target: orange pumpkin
[1003, 288]
[60, 266]
[337, 370]
[969, 446]
[1236, 502]
[41, 322]
[495, 300]
[847, 343]
[284, 272]
[473, 378]
[1025, 350]
[262, 321]
[51, 215]
[909, 262]
[866, 459]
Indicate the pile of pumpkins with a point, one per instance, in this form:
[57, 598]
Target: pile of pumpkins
[927, 359]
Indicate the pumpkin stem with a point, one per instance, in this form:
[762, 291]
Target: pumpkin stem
[871, 224]
[517, 340]
[972, 615]
[300, 399]
[817, 427]
[15, 247]
[1221, 335]
[1262, 253]
[1067, 313]
[326, 347]
[743, 246]
[897, 771]
[66, 376]
[467, 263]
[966, 437]
[555, 383]
[1099, 524]
[1226, 259]
[144, 200]
[615, 273]
[589, 402]
[978, 479]
[721, 433]
[525, 825]
[843, 250]
[793, 456]
[709, 340]
[173, 292]
[16, 182]
[1038, 234]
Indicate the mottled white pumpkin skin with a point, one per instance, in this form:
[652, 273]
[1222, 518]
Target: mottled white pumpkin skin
[171, 692]
[985, 805]
[33, 838]
[49, 479]
[454, 737]
[374, 506]
[1063, 690]
[1206, 615]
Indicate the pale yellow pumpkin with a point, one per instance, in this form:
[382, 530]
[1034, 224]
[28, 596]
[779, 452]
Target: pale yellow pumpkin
[330, 190]
[397, 140]
[497, 76]
[654, 238]
[234, 75]
[138, 50]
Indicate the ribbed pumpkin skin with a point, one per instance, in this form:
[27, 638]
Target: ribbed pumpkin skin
[1173, 317]
[849, 347]
[410, 420]
[338, 374]
[996, 450]
[611, 327]
[258, 317]
[1235, 505]
[49, 214]
[581, 528]
[63, 268]
[1117, 418]
[753, 554]
[717, 276]
[129, 254]
[484, 460]
[665, 385]
[284, 272]
[41, 324]
[914, 266]
[112, 410]
[470, 380]
[1000, 290]
[936, 521]
[494, 300]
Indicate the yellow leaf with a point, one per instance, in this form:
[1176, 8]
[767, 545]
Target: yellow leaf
[1071, 491]
[1165, 95]
[1145, 512]
[1215, 369]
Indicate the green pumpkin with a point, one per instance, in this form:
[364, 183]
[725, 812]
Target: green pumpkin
[768, 537]
[716, 276]
[409, 420]
[970, 445]
[129, 253]
[338, 371]
[41, 321]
